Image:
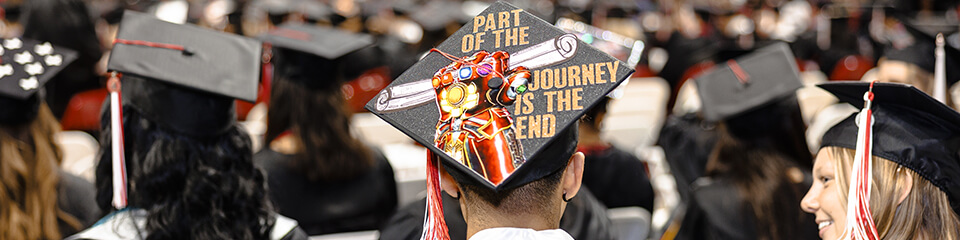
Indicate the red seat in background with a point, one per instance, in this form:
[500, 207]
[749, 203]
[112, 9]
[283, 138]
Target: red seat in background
[83, 111]
[851, 67]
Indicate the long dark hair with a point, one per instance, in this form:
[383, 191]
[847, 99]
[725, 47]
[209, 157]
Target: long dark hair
[764, 153]
[319, 120]
[191, 187]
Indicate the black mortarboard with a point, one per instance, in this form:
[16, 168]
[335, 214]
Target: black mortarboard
[173, 70]
[183, 78]
[496, 101]
[312, 55]
[563, 77]
[25, 66]
[749, 82]
[910, 128]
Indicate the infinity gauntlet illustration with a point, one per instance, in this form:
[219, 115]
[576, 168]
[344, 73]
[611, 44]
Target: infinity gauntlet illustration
[475, 127]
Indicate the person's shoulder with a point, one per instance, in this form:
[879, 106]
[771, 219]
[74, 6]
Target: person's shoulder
[74, 185]
[125, 224]
[285, 228]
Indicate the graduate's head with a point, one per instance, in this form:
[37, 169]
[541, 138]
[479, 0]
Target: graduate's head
[500, 118]
[311, 64]
[172, 127]
[539, 198]
[915, 162]
[29, 156]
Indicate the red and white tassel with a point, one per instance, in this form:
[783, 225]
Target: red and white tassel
[434, 226]
[859, 222]
[116, 138]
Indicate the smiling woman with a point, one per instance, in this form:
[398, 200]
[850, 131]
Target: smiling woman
[900, 196]
[914, 142]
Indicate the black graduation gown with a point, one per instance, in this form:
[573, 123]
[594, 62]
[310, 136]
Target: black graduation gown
[320, 207]
[687, 141]
[718, 211]
[76, 197]
[617, 179]
[585, 218]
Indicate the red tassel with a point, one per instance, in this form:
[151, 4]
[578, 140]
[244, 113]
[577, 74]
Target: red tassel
[434, 226]
[859, 222]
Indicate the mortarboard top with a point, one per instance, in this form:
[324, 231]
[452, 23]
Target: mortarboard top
[509, 131]
[173, 70]
[311, 54]
[749, 82]
[25, 67]
[910, 128]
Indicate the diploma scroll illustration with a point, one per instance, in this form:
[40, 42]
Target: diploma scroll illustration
[417, 93]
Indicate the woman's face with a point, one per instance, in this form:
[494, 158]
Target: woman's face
[823, 199]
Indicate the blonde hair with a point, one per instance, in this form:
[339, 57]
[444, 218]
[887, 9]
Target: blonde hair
[924, 213]
[29, 160]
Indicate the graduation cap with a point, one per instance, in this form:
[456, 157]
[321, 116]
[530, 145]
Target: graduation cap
[495, 102]
[319, 57]
[184, 78]
[749, 82]
[909, 128]
[928, 41]
[25, 67]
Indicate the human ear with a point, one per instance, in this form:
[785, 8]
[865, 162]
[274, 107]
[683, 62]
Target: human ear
[448, 184]
[906, 182]
[573, 175]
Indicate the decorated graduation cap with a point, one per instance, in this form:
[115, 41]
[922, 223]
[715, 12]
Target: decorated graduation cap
[184, 78]
[749, 82]
[494, 102]
[312, 55]
[25, 67]
[902, 124]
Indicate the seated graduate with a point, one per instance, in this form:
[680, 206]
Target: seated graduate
[174, 163]
[499, 120]
[759, 163]
[318, 173]
[616, 177]
[38, 200]
[911, 58]
[889, 171]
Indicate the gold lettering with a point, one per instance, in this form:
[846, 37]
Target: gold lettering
[524, 35]
[560, 80]
[491, 23]
[467, 43]
[479, 39]
[516, 16]
[520, 127]
[587, 74]
[549, 123]
[549, 95]
[573, 73]
[599, 73]
[504, 19]
[510, 37]
[535, 84]
[613, 67]
[534, 127]
[477, 21]
[577, 97]
[497, 34]
[546, 79]
[563, 100]
[527, 100]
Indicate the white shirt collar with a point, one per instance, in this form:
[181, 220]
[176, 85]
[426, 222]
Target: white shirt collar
[521, 233]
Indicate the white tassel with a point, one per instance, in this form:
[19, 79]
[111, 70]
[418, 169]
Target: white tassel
[116, 137]
[939, 72]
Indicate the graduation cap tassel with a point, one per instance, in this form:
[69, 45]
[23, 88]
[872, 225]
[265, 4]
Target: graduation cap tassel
[116, 138]
[434, 226]
[859, 222]
[939, 72]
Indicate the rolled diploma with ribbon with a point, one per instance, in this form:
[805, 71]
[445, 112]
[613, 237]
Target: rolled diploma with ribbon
[414, 94]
